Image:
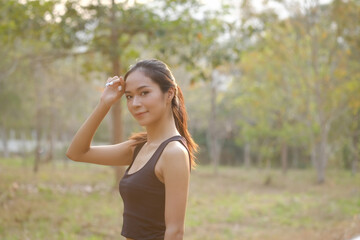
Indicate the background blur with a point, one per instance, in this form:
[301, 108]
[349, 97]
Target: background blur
[272, 89]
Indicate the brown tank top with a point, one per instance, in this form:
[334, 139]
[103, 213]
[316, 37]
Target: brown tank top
[144, 198]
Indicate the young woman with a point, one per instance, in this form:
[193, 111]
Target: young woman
[155, 186]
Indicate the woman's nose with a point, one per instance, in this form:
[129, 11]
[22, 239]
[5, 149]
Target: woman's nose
[136, 101]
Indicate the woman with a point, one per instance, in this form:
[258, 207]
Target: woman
[155, 185]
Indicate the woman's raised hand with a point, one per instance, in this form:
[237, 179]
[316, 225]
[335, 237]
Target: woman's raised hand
[114, 89]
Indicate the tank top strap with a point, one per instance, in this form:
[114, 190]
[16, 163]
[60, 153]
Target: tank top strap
[162, 146]
[136, 152]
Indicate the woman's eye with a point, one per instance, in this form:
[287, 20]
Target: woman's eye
[144, 93]
[128, 97]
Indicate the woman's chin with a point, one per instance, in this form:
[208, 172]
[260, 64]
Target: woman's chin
[142, 122]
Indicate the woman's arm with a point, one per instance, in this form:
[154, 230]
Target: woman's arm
[176, 174]
[80, 148]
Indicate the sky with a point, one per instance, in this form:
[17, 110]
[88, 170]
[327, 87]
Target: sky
[235, 11]
[259, 5]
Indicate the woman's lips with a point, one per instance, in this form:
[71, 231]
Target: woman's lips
[140, 114]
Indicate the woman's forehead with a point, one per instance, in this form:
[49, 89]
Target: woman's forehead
[136, 80]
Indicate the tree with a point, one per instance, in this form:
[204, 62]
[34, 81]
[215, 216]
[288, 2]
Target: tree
[308, 62]
[120, 26]
[35, 37]
[205, 55]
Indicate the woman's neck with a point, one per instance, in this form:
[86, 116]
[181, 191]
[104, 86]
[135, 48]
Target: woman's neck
[161, 130]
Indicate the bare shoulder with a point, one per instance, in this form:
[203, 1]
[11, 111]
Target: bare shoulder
[175, 148]
[175, 155]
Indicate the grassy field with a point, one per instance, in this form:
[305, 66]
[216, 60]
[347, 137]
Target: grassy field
[76, 202]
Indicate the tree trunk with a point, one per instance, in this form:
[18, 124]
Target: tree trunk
[215, 151]
[51, 147]
[268, 163]
[5, 142]
[38, 141]
[322, 154]
[51, 138]
[116, 111]
[313, 156]
[23, 148]
[315, 159]
[117, 131]
[258, 159]
[213, 138]
[354, 165]
[284, 158]
[65, 159]
[38, 115]
[247, 157]
[355, 158]
[295, 158]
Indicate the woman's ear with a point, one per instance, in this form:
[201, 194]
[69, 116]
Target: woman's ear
[171, 94]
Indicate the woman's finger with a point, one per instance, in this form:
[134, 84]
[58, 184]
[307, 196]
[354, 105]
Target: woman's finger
[122, 84]
[110, 83]
[118, 81]
[111, 79]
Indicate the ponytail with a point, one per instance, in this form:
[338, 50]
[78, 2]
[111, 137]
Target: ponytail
[138, 138]
[180, 116]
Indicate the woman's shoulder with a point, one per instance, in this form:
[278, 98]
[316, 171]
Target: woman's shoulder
[175, 155]
[175, 148]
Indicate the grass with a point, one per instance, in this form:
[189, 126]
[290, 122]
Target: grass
[75, 201]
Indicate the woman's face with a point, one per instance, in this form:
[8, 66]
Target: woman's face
[145, 100]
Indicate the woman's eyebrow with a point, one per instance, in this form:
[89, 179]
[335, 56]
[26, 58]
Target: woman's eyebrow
[139, 88]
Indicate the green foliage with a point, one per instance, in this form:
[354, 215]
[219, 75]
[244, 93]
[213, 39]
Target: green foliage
[294, 76]
[286, 79]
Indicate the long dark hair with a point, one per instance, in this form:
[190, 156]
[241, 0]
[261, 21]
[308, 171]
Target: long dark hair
[160, 73]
